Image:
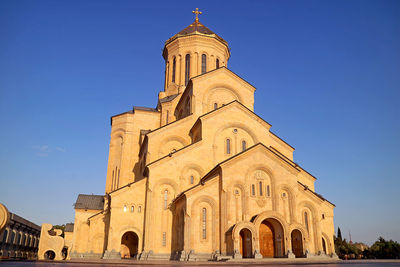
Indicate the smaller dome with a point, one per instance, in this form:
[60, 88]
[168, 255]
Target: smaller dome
[196, 28]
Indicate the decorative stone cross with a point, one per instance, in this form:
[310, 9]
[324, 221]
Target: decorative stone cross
[197, 12]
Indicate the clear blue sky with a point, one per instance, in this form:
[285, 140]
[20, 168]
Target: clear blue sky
[327, 75]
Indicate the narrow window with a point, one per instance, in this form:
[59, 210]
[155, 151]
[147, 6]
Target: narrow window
[5, 237]
[118, 178]
[112, 181]
[125, 208]
[215, 105]
[164, 239]
[203, 63]
[173, 69]
[167, 117]
[217, 63]
[191, 179]
[139, 209]
[165, 199]
[244, 145]
[203, 225]
[228, 146]
[261, 188]
[323, 216]
[187, 69]
[132, 208]
[253, 190]
[18, 239]
[306, 220]
[29, 241]
[268, 192]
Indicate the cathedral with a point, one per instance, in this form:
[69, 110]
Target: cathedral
[201, 176]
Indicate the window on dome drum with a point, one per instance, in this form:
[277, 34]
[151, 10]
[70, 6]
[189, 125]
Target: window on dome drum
[173, 69]
[5, 236]
[204, 224]
[191, 179]
[306, 220]
[228, 146]
[217, 63]
[253, 190]
[261, 188]
[132, 208]
[187, 68]
[268, 192]
[165, 199]
[125, 208]
[203, 63]
[139, 209]
[164, 239]
[244, 145]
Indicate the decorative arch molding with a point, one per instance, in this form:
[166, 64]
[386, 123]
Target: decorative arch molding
[213, 204]
[239, 125]
[213, 89]
[236, 236]
[135, 230]
[167, 181]
[168, 139]
[270, 173]
[315, 222]
[192, 166]
[271, 215]
[292, 200]
[328, 243]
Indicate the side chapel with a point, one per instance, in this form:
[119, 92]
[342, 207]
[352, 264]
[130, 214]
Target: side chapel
[201, 176]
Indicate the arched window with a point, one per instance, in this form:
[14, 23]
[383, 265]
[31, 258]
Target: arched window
[125, 208]
[215, 105]
[203, 63]
[204, 223]
[165, 199]
[173, 69]
[268, 191]
[244, 145]
[139, 209]
[217, 63]
[23, 240]
[306, 221]
[253, 190]
[191, 179]
[132, 208]
[166, 120]
[260, 188]
[5, 235]
[228, 146]
[18, 239]
[12, 239]
[187, 69]
[29, 241]
[118, 178]
[112, 181]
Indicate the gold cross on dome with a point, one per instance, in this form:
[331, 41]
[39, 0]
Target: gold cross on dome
[197, 12]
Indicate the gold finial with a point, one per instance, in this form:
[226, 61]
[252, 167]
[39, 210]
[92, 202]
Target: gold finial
[197, 12]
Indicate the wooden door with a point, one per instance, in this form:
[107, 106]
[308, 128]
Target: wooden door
[297, 244]
[245, 243]
[267, 237]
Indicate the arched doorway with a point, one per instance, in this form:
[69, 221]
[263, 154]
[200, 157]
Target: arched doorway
[129, 245]
[245, 243]
[324, 246]
[49, 255]
[271, 238]
[297, 243]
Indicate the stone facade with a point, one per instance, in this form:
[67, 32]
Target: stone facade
[201, 176]
[19, 238]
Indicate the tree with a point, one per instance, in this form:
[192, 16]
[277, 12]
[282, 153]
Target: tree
[339, 234]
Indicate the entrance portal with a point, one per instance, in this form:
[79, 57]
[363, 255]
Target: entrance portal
[271, 238]
[129, 245]
[245, 243]
[297, 243]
